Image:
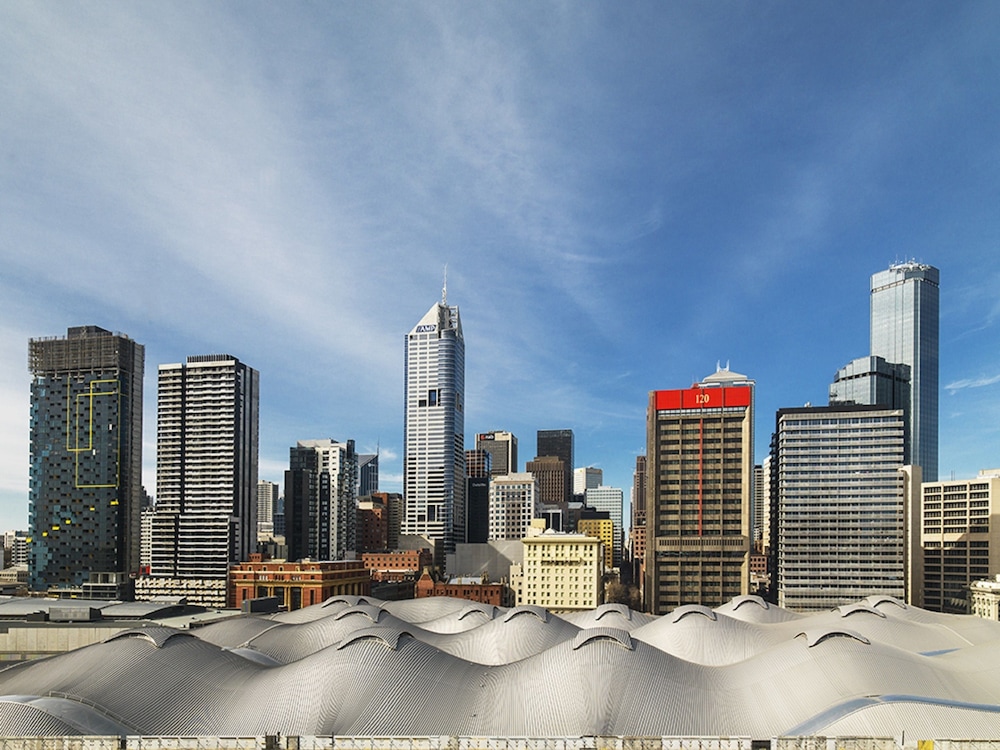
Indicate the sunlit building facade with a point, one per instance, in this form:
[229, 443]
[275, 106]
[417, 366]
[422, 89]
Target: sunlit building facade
[434, 428]
[699, 478]
[904, 330]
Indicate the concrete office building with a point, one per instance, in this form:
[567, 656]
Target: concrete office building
[267, 501]
[502, 447]
[513, 505]
[610, 500]
[321, 500]
[847, 510]
[85, 475]
[206, 474]
[558, 443]
[699, 477]
[960, 537]
[904, 330]
[550, 471]
[434, 427]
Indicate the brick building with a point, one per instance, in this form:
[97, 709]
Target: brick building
[498, 594]
[297, 584]
[400, 565]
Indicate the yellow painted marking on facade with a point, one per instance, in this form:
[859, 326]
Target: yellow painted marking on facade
[85, 406]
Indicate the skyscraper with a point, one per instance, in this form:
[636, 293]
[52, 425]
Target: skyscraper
[434, 428]
[513, 503]
[558, 443]
[904, 330]
[847, 513]
[478, 464]
[587, 478]
[206, 472]
[502, 447]
[699, 450]
[367, 473]
[85, 478]
[321, 500]
[267, 501]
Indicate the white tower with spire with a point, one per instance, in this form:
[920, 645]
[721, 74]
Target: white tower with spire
[434, 427]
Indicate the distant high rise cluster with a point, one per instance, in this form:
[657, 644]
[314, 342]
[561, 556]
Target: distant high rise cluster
[845, 504]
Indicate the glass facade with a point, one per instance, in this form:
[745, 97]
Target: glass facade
[904, 330]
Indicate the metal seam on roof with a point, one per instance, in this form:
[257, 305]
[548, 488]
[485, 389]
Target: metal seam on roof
[619, 636]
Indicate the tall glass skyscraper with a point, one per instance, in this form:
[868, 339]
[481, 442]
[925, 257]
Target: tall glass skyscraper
[904, 330]
[85, 480]
[434, 428]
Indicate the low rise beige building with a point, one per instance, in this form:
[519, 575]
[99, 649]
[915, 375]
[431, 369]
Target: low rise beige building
[984, 598]
[562, 572]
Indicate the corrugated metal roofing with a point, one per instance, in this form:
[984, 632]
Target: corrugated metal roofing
[439, 667]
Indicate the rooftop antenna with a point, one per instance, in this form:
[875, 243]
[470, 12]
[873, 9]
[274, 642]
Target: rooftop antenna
[444, 289]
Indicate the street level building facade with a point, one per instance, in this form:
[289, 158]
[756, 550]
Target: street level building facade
[960, 537]
[905, 330]
[206, 473]
[85, 476]
[847, 508]
[699, 477]
[434, 427]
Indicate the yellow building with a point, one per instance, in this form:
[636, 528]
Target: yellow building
[562, 572]
[603, 529]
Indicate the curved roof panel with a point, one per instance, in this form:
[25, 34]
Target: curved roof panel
[333, 671]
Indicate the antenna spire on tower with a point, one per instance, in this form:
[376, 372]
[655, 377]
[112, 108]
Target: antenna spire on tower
[444, 289]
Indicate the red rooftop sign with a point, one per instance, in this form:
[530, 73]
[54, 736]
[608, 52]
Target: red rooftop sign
[703, 398]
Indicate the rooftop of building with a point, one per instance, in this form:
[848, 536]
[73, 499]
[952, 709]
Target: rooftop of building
[872, 668]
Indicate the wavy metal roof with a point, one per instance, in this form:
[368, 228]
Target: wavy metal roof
[442, 667]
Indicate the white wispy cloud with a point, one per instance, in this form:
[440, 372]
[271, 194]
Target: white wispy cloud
[980, 382]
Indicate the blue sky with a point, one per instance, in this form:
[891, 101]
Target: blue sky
[624, 194]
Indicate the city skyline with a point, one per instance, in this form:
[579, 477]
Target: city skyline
[623, 199]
